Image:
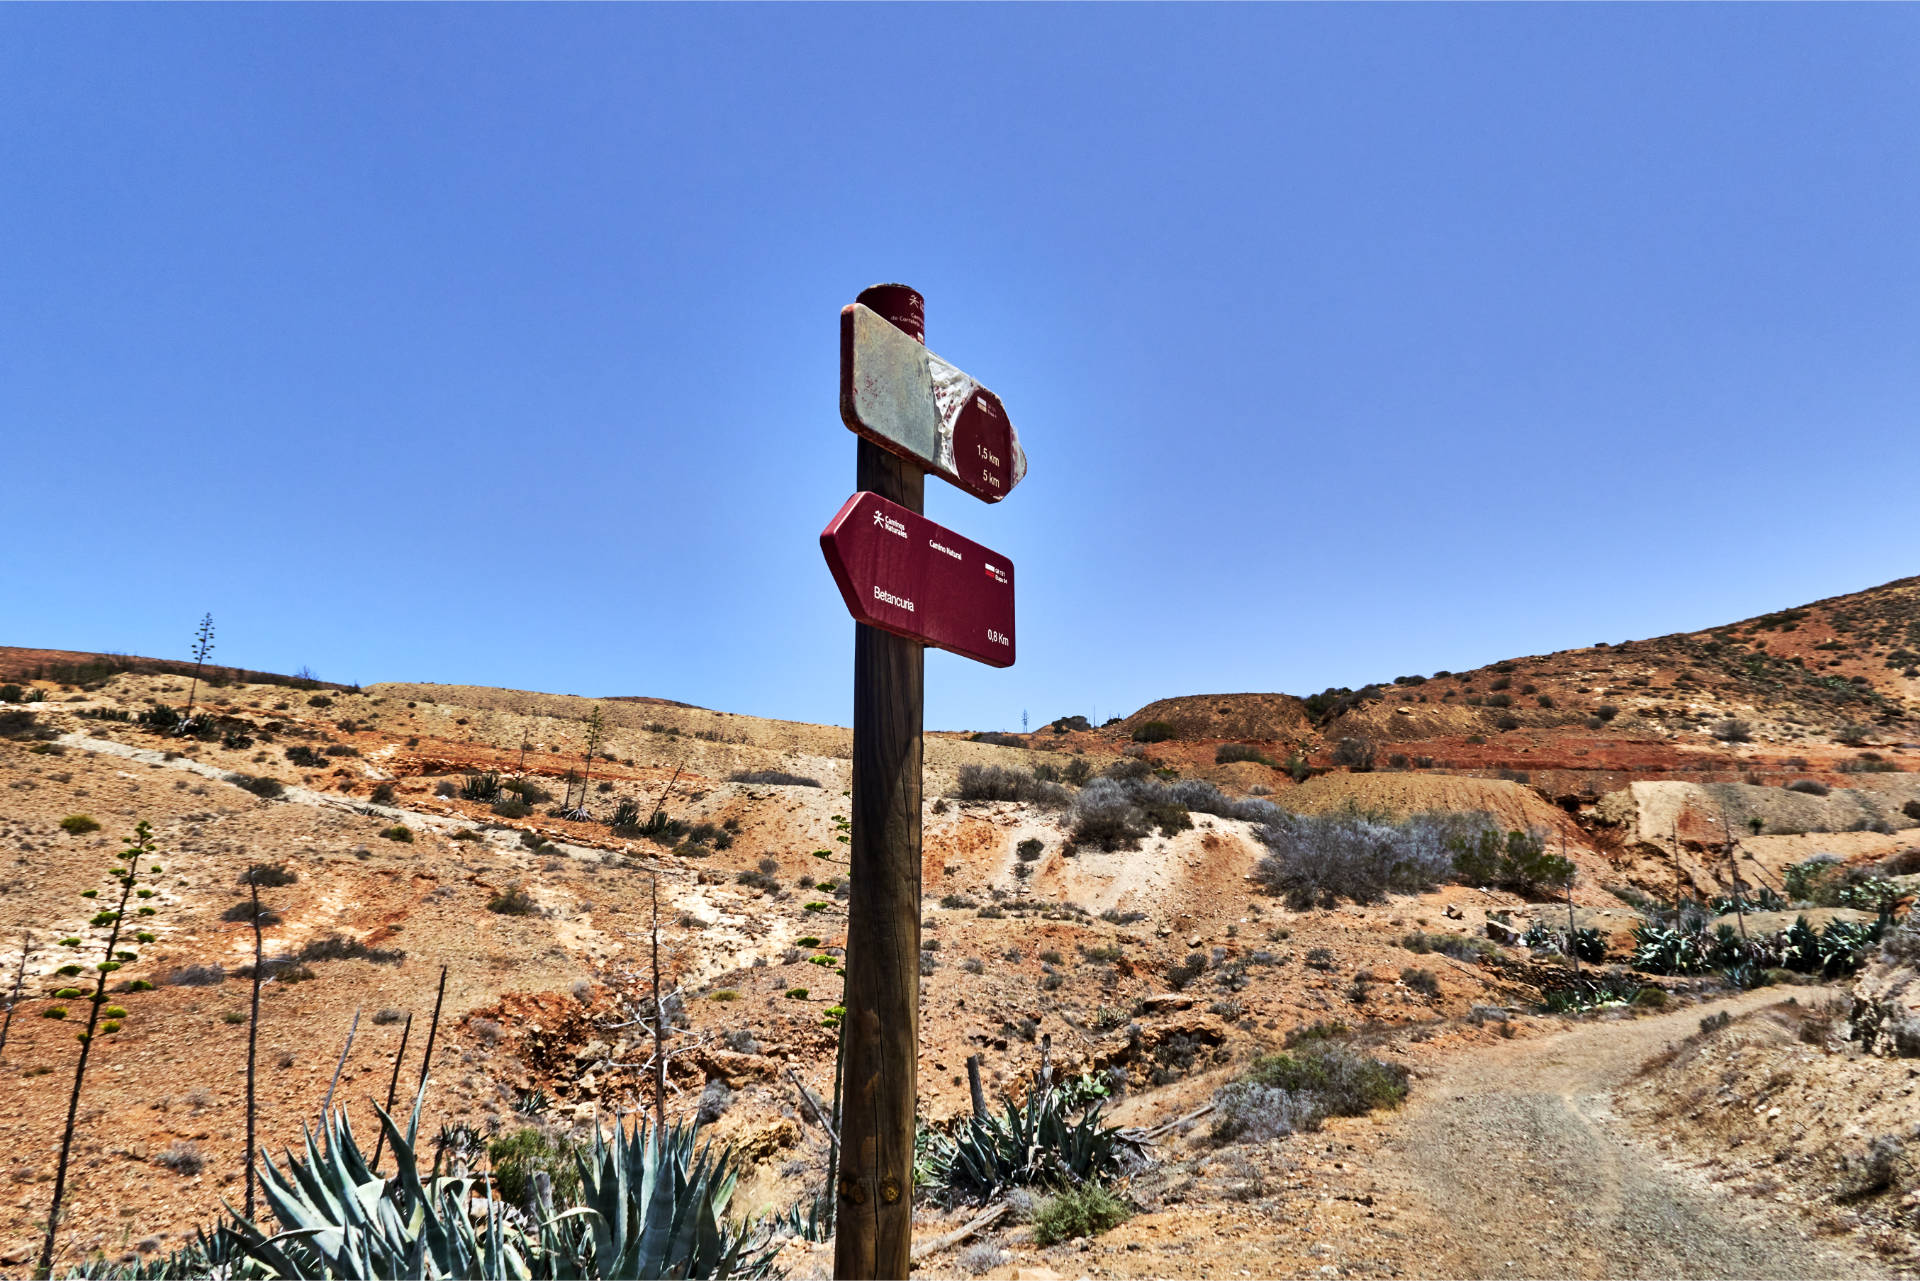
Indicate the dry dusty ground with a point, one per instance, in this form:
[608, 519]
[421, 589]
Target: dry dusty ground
[1523, 1165]
[751, 933]
[1510, 1159]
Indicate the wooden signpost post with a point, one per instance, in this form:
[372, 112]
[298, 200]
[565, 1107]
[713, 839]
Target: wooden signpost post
[909, 583]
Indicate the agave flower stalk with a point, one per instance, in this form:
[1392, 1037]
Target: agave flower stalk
[19, 977]
[202, 646]
[253, 1022]
[140, 845]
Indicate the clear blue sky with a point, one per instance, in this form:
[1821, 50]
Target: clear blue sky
[498, 345]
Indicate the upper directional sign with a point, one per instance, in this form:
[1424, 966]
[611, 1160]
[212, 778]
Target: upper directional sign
[902, 573]
[902, 397]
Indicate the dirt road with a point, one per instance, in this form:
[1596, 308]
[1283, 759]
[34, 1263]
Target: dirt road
[1520, 1168]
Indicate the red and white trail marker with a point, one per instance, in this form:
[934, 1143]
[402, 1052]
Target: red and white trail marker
[902, 573]
[903, 398]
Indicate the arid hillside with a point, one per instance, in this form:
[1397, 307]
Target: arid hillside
[1151, 909]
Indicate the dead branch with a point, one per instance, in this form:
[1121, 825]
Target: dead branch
[807, 1098]
[959, 1234]
[1147, 1136]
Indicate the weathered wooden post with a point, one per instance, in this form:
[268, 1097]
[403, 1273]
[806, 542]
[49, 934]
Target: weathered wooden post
[908, 583]
[874, 1223]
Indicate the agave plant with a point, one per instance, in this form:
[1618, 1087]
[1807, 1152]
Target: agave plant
[652, 1204]
[1763, 899]
[1034, 1144]
[656, 1198]
[218, 1253]
[810, 1220]
[1843, 945]
[340, 1218]
[1598, 992]
[626, 815]
[1670, 949]
[1801, 945]
[484, 786]
[1589, 945]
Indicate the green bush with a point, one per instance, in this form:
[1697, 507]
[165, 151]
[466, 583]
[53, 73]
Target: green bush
[1168, 816]
[79, 824]
[994, 739]
[772, 778]
[22, 725]
[1180, 975]
[1519, 860]
[1227, 753]
[1082, 1212]
[399, 832]
[1354, 753]
[1461, 947]
[260, 785]
[337, 947]
[1340, 1080]
[1154, 732]
[512, 901]
[1003, 783]
[1733, 730]
[517, 1157]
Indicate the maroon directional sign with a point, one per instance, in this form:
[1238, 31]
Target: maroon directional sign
[902, 573]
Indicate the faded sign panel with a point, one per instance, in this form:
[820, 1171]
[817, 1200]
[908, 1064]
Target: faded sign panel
[896, 393]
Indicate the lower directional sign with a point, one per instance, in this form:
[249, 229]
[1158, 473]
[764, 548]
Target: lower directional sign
[902, 573]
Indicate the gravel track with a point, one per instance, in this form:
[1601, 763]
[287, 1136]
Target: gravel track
[1527, 1171]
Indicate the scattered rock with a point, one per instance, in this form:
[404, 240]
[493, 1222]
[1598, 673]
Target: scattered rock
[1163, 1002]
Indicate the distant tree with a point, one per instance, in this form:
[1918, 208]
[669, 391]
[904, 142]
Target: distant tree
[1297, 766]
[202, 646]
[1354, 753]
